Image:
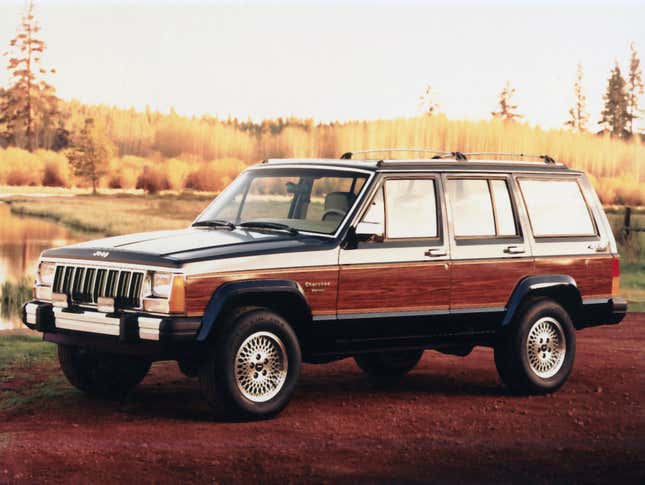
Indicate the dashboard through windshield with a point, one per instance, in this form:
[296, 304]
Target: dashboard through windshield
[294, 199]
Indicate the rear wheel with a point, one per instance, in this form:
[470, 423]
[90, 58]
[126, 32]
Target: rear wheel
[536, 354]
[389, 364]
[101, 374]
[253, 367]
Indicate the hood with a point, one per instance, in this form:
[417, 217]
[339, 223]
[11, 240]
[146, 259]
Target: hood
[175, 248]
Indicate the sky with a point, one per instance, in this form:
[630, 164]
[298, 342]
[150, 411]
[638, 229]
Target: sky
[332, 60]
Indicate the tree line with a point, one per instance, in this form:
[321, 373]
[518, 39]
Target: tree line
[92, 138]
[621, 101]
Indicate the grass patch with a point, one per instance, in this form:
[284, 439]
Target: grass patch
[26, 371]
[632, 285]
[632, 247]
[19, 351]
[110, 215]
[52, 387]
[13, 295]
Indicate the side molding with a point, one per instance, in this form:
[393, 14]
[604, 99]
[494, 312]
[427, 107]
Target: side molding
[541, 285]
[231, 291]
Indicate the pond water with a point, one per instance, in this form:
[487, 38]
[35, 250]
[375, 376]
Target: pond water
[22, 239]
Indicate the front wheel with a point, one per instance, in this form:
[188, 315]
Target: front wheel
[253, 367]
[101, 374]
[535, 355]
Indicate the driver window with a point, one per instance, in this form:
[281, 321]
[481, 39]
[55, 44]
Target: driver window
[411, 209]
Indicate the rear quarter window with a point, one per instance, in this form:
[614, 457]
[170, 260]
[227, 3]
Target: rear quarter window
[556, 208]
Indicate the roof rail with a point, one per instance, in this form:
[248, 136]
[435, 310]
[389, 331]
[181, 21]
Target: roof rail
[438, 153]
[546, 158]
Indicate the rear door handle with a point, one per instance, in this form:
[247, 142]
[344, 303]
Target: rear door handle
[514, 250]
[599, 248]
[435, 252]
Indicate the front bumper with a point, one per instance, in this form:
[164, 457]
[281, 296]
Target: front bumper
[126, 326]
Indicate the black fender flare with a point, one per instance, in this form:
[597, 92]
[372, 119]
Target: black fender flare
[228, 292]
[541, 285]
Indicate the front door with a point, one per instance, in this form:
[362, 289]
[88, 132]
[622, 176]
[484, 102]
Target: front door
[401, 275]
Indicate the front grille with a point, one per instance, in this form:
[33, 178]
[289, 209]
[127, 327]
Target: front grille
[86, 284]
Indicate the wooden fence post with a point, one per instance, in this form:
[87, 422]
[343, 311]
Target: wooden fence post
[628, 221]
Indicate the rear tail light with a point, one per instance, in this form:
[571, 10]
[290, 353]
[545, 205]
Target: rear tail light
[615, 275]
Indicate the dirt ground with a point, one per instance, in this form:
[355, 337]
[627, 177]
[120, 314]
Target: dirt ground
[449, 420]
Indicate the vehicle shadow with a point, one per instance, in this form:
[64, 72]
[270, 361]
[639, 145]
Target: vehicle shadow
[181, 398]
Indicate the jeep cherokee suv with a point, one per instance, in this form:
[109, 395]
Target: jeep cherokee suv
[317, 260]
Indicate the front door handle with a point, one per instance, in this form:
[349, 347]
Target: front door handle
[514, 250]
[435, 252]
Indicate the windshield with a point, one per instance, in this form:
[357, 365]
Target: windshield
[310, 200]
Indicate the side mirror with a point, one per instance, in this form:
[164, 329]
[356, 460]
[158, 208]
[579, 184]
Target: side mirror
[370, 231]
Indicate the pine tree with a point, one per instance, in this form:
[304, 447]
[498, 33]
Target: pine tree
[578, 112]
[506, 107]
[427, 104]
[29, 106]
[90, 153]
[615, 115]
[634, 87]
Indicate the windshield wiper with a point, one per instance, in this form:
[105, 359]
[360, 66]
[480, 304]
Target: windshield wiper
[215, 223]
[269, 225]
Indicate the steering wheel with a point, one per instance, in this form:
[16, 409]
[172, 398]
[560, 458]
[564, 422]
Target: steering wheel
[329, 212]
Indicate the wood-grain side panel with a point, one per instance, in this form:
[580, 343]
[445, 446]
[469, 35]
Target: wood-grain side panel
[321, 298]
[487, 283]
[592, 274]
[394, 287]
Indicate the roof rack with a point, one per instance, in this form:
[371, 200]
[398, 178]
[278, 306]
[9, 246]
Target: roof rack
[546, 158]
[438, 153]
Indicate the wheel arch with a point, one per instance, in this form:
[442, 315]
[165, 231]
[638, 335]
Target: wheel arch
[285, 297]
[563, 289]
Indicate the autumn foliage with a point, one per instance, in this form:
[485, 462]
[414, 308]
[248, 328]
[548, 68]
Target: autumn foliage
[154, 151]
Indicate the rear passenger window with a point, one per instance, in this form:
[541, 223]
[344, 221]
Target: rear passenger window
[556, 208]
[481, 208]
[410, 208]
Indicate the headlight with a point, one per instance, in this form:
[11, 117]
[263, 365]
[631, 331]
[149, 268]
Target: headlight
[161, 284]
[167, 293]
[147, 285]
[46, 272]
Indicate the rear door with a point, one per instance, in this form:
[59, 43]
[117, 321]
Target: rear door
[488, 243]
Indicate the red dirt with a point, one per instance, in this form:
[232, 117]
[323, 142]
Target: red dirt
[449, 420]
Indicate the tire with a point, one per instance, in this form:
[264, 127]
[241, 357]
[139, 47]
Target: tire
[389, 364]
[253, 366]
[535, 354]
[101, 374]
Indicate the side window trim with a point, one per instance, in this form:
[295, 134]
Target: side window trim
[438, 240]
[432, 178]
[496, 238]
[558, 237]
